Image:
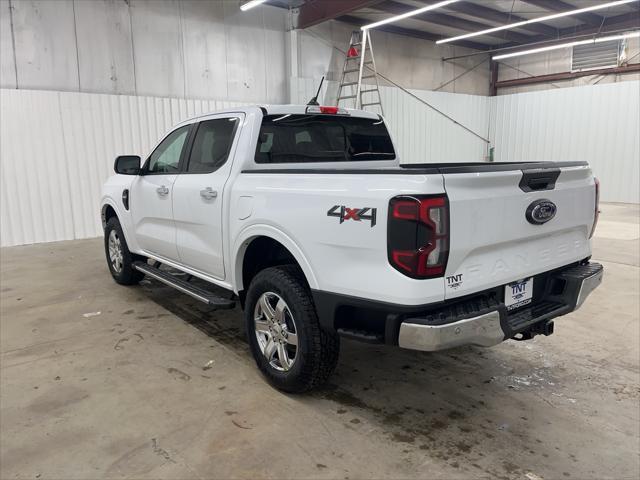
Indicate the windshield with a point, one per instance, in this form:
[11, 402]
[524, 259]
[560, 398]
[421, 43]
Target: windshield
[322, 138]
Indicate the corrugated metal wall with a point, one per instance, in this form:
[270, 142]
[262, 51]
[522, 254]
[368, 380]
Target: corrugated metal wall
[58, 148]
[599, 124]
[421, 135]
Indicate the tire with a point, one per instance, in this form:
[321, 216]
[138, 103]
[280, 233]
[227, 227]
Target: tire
[121, 270]
[317, 350]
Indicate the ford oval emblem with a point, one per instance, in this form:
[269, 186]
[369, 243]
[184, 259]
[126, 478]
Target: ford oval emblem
[541, 211]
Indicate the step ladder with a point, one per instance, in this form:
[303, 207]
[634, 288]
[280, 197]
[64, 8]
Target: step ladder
[360, 65]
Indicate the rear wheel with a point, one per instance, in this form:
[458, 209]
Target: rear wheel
[119, 258]
[290, 348]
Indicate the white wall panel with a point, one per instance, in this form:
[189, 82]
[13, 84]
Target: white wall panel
[157, 48]
[421, 134]
[36, 193]
[45, 44]
[58, 148]
[599, 124]
[105, 57]
[274, 42]
[7, 57]
[204, 47]
[247, 72]
[165, 48]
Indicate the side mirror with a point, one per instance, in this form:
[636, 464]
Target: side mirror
[127, 165]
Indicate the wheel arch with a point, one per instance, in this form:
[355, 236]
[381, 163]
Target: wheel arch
[111, 209]
[267, 237]
[106, 212]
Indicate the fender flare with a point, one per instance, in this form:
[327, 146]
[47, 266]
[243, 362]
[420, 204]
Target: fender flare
[109, 202]
[247, 235]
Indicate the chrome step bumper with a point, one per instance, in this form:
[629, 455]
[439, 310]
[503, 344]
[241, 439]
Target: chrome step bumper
[486, 322]
[483, 330]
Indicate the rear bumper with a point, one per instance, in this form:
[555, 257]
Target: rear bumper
[483, 330]
[486, 321]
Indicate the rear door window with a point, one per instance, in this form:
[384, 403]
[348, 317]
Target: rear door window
[211, 145]
[322, 138]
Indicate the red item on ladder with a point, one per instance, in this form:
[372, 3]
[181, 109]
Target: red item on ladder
[353, 52]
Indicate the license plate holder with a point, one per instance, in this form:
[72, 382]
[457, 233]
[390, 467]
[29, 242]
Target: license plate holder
[518, 294]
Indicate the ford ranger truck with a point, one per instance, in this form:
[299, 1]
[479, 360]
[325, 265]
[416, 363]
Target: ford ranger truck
[305, 216]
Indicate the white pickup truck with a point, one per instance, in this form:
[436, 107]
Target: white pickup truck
[306, 217]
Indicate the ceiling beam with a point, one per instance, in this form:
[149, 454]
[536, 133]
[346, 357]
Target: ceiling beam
[408, 32]
[626, 20]
[447, 20]
[314, 12]
[501, 18]
[560, 6]
[555, 77]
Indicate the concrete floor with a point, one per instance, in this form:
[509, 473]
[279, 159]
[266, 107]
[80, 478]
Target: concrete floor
[158, 386]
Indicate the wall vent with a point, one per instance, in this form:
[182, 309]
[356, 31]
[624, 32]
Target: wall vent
[596, 55]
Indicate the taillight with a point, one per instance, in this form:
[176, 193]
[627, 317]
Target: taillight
[596, 214]
[418, 235]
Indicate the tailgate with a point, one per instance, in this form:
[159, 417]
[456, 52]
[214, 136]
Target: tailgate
[495, 240]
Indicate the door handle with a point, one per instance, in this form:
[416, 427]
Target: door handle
[162, 190]
[208, 193]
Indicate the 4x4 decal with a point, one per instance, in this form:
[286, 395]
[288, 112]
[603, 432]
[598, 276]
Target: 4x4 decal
[357, 214]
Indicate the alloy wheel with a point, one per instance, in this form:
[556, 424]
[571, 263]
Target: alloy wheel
[276, 332]
[115, 252]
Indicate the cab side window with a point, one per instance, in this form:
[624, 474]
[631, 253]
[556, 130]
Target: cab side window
[166, 157]
[212, 144]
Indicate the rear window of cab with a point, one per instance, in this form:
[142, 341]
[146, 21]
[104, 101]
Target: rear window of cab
[307, 138]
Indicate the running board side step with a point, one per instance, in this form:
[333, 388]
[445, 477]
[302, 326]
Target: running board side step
[185, 287]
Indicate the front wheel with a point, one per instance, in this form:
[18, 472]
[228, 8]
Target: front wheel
[290, 348]
[119, 258]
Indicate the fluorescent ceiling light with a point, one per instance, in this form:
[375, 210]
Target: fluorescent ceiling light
[535, 20]
[253, 3]
[409, 14]
[565, 45]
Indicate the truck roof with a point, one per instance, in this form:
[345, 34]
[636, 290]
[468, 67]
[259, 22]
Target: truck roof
[291, 109]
